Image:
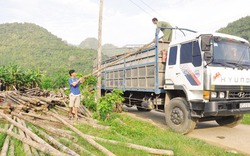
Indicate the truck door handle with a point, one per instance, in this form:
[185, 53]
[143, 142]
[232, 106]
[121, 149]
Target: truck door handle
[177, 73]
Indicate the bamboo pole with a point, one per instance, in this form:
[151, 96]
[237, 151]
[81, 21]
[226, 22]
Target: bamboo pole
[49, 129]
[34, 144]
[33, 150]
[121, 58]
[79, 148]
[56, 143]
[11, 148]
[25, 146]
[6, 143]
[135, 146]
[30, 133]
[88, 139]
[39, 117]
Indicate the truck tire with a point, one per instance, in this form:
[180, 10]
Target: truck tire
[230, 121]
[178, 116]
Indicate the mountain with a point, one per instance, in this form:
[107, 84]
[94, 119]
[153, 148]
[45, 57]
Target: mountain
[31, 46]
[108, 50]
[239, 28]
[89, 43]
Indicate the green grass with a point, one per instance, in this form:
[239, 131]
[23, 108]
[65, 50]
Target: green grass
[143, 133]
[246, 119]
[126, 129]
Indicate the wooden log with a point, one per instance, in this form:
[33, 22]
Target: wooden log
[33, 150]
[39, 109]
[17, 99]
[50, 129]
[59, 101]
[11, 148]
[6, 143]
[40, 117]
[62, 108]
[80, 110]
[13, 99]
[28, 99]
[62, 93]
[25, 146]
[93, 124]
[77, 147]
[47, 100]
[34, 144]
[30, 133]
[87, 112]
[88, 139]
[56, 143]
[139, 147]
[66, 110]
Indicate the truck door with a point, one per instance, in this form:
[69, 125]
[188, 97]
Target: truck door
[186, 71]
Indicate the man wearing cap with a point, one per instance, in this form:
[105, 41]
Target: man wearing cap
[167, 33]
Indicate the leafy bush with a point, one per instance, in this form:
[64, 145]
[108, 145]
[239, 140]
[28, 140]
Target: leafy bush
[89, 98]
[89, 94]
[106, 103]
[90, 81]
[13, 75]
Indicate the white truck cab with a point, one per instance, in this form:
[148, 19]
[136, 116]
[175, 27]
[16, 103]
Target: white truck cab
[208, 74]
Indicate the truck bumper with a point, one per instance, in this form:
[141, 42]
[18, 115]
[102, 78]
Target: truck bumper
[227, 108]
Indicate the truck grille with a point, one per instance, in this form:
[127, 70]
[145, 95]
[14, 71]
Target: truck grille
[234, 92]
[238, 95]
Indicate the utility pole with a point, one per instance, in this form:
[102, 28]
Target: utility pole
[99, 56]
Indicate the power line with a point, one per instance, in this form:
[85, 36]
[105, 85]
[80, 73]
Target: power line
[152, 8]
[141, 8]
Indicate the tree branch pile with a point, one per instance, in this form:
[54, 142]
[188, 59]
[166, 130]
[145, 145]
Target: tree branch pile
[41, 129]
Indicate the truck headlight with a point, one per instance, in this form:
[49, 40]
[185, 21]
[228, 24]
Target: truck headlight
[222, 94]
[213, 94]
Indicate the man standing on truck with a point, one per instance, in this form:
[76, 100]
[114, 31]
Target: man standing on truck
[167, 33]
[74, 96]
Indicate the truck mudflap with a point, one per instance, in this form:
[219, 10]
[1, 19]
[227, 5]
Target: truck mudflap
[227, 108]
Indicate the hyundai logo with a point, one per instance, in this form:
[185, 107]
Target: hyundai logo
[241, 94]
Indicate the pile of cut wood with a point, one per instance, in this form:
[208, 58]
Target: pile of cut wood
[38, 118]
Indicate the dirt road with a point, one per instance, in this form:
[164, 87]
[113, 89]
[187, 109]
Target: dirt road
[235, 139]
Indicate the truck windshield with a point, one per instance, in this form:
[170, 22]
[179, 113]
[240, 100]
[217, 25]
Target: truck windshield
[231, 53]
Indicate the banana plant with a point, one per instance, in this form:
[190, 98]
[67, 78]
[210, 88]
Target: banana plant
[16, 76]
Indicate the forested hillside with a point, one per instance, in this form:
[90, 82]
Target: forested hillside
[31, 46]
[240, 28]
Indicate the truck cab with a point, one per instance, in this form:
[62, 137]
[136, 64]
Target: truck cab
[207, 78]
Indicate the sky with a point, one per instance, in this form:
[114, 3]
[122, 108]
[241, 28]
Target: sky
[124, 21]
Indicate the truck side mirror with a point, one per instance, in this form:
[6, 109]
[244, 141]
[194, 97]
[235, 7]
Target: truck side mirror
[206, 43]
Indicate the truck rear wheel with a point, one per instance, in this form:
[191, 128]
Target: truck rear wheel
[178, 116]
[229, 121]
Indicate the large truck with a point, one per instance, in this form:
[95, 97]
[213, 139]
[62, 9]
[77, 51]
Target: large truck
[200, 77]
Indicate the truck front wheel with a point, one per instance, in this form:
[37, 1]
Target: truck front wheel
[178, 116]
[229, 121]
